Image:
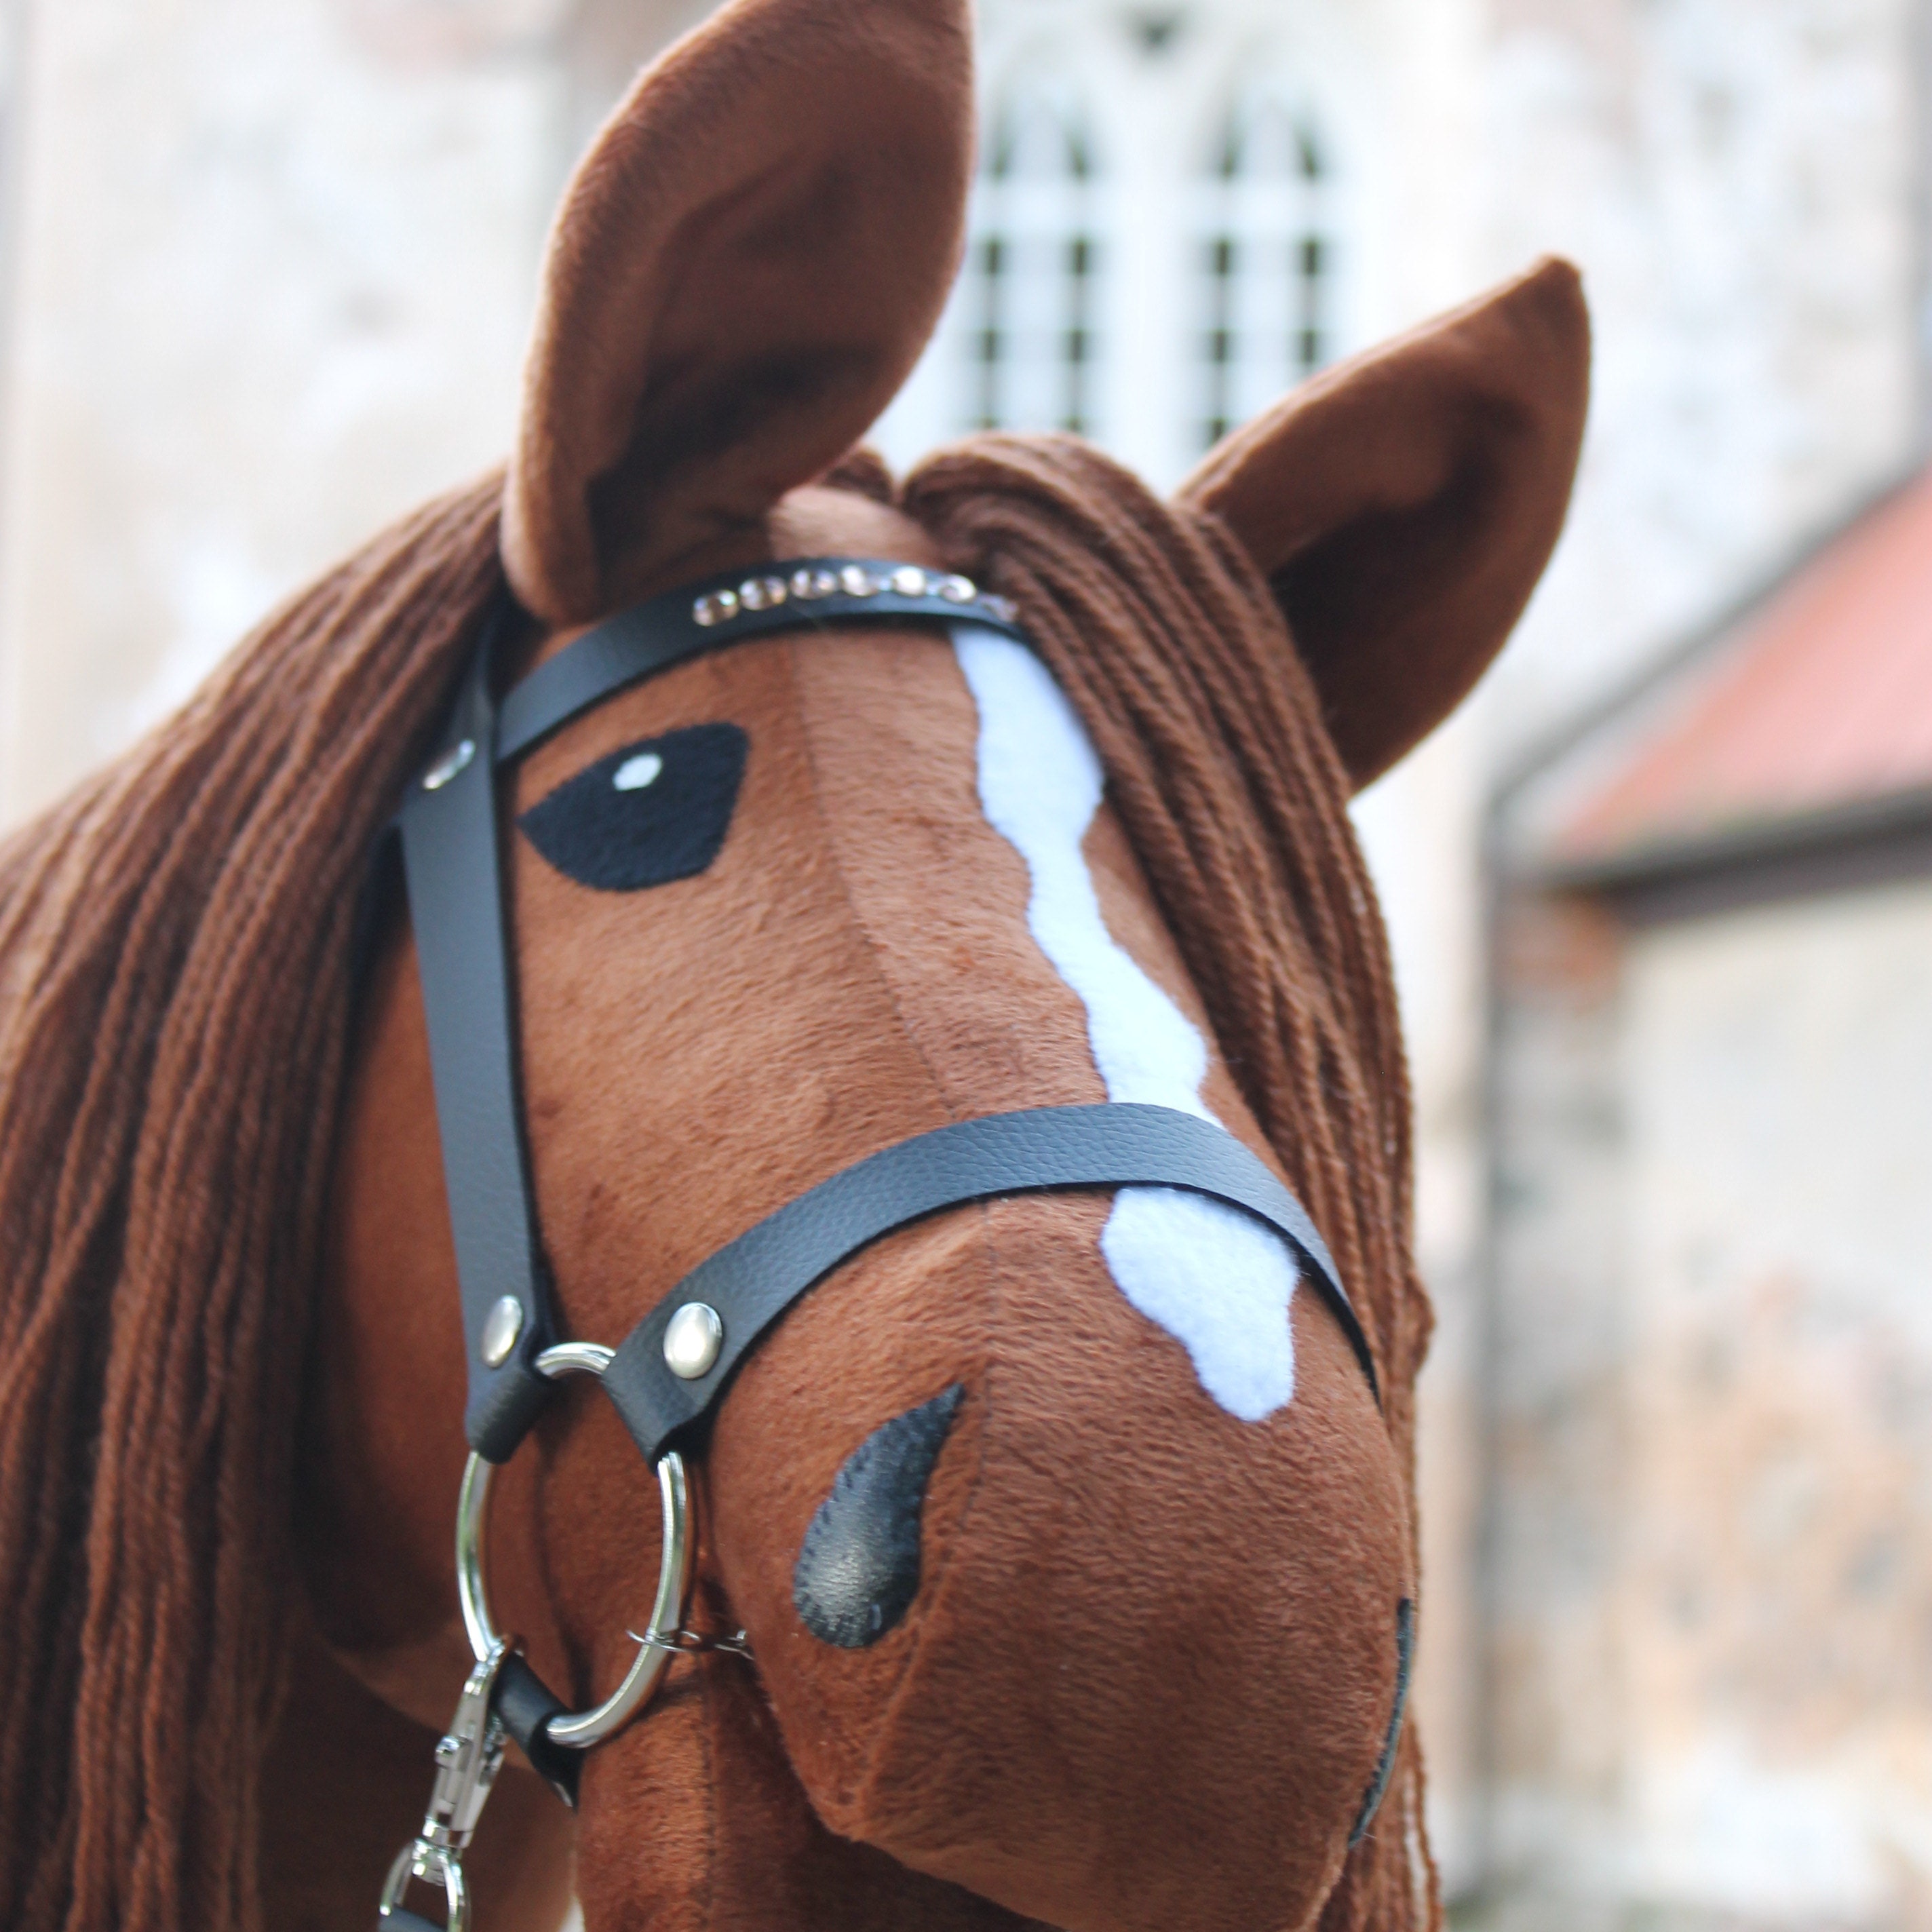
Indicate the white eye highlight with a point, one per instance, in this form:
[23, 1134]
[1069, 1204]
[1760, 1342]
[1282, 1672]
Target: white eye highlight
[633, 774]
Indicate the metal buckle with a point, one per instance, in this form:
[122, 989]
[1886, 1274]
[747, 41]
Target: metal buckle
[578, 1730]
[468, 1757]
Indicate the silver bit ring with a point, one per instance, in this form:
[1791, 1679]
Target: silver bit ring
[578, 1730]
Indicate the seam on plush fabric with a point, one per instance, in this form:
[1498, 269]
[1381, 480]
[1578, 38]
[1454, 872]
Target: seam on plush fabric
[793, 644]
[580, 1661]
[931, 1588]
[710, 1910]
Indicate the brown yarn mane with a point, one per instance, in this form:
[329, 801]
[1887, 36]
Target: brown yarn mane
[175, 944]
[175, 1014]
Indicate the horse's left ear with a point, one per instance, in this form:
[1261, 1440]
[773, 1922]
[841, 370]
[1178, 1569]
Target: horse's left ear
[1403, 504]
[745, 266]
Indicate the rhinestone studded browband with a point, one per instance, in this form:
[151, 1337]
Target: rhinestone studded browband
[801, 593]
[809, 583]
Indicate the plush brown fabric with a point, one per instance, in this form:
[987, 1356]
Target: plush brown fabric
[697, 348]
[1403, 504]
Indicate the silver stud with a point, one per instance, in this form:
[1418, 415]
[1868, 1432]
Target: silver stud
[692, 1341]
[801, 584]
[633, 774]
[824, 583]
[751, 595]
[775, 590]
[501, 1327]
[447, 766]
[715, 609]
[908, 581]
[856, 580]
[957, 589]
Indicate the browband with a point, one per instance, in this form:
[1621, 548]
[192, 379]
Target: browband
[453, 871]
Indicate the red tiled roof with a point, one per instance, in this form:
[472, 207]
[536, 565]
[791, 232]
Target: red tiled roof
[1824, 700]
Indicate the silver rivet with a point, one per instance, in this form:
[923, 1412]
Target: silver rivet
[447, 766]
[957, 589]
[716, 608]
[775, 590]
[856, 580]
[633, 774]
[501, 1327]
[909, 581]
[824, 583]
[801, 584]
[692, 1340]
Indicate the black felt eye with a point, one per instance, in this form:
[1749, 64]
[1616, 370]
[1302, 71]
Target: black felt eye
[654, 811]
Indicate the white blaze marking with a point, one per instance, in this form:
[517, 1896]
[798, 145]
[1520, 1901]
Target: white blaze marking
[633, 774]
[1213, 1277]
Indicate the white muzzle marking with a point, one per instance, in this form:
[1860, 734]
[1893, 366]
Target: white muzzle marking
[1215, 1279]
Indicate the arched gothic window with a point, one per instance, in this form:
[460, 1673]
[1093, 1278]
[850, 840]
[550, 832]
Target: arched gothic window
[1032, 271]
[1268, 259]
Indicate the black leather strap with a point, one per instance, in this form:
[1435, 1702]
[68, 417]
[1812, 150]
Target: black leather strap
[450, 861]
[638, 643]
[526, 1704]
[752, 1281]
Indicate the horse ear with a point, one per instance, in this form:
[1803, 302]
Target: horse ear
[745, 266]
[1403, 504]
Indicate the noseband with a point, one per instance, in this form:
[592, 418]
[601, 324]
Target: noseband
[669, 1374]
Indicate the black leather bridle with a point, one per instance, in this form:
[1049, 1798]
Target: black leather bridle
[449, 825]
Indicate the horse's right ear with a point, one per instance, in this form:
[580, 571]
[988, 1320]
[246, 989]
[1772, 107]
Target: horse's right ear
[1403, 504]
[744, 268]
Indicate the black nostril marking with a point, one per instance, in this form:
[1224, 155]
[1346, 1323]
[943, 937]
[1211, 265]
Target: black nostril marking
[858, 1568]
[1405, 1652]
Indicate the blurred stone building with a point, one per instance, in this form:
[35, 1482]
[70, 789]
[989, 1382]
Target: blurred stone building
[265, 274]
[1711, 1578]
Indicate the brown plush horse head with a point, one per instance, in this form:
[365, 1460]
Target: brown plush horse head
[1072, 1543]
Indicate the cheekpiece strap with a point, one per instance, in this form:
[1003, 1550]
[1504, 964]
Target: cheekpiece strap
[452, 871]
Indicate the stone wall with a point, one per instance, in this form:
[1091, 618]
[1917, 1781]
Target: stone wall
[1712, 1506]
[1743, 185]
